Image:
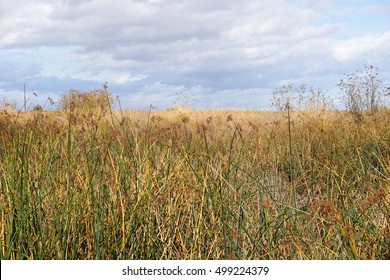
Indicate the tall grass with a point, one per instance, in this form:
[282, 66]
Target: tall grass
[194, 185]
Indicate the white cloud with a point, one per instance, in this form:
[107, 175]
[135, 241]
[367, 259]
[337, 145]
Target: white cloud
[24, 24]
[359, 47]
[126, 78]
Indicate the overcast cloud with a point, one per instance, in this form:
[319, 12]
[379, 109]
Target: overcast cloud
[225, 54]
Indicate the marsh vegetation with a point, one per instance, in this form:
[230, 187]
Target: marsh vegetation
[185, 184]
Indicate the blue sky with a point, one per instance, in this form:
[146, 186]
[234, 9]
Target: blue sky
[220, 54]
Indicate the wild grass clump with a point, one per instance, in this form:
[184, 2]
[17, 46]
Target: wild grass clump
[185, 184]
[92, 102]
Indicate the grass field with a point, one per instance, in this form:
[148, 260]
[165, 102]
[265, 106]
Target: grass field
[183, 184]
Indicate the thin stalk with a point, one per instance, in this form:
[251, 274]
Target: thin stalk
[292, 169]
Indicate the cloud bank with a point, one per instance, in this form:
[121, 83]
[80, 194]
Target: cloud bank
[220, 53]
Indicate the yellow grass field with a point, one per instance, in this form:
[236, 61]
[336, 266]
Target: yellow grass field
[185, 184]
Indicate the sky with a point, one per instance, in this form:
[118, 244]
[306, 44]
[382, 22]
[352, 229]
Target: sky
[229, 54]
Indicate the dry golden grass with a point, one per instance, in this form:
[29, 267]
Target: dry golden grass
[184, 184]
